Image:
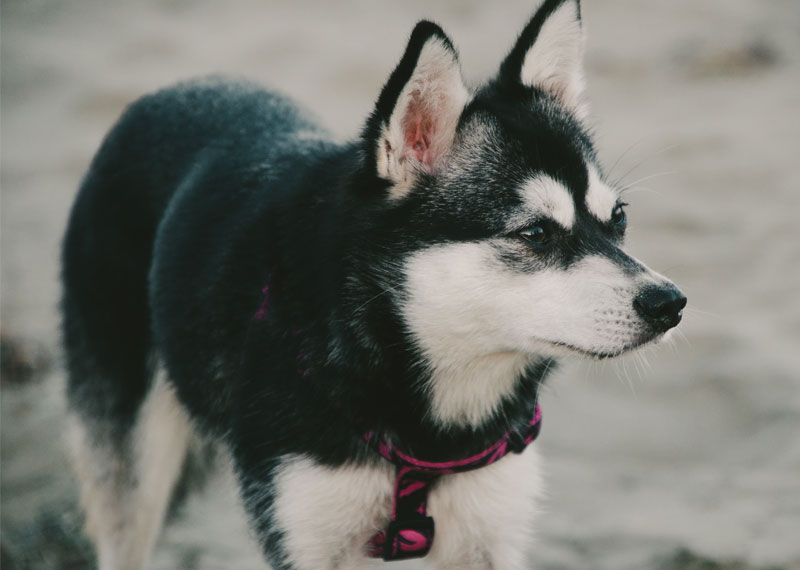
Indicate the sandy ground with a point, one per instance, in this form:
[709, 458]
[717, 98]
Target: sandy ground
[690, 460]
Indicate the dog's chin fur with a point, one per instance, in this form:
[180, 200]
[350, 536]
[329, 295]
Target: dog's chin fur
[231, 273]
[560, 349]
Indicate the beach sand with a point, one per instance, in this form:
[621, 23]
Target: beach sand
[690, 459]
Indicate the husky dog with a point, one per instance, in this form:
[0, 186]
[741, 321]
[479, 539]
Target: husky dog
[231, 273]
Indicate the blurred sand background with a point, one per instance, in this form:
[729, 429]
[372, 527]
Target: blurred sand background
[691, 460]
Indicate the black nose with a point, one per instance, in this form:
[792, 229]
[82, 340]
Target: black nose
[661, 307]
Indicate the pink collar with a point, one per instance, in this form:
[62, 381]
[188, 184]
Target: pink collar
[410, 532]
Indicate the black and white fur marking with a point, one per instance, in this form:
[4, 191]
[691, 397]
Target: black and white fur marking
[419, 281]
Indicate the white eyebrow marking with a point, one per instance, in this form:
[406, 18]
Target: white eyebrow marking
[600, 198]
[543, 196]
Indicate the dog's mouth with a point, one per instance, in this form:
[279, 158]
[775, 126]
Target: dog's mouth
[606, 354]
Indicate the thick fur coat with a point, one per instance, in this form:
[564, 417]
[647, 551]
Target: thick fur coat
[232, 274]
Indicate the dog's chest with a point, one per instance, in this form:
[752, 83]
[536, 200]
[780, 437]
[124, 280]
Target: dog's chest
[481, 516]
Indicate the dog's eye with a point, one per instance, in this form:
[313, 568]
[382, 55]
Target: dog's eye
[538, 234]
[618, 216]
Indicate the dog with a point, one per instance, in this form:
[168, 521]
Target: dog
[363, 326]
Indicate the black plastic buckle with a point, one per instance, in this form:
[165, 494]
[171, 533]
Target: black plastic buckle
[408, 538]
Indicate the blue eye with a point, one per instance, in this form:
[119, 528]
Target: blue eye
[618, 216]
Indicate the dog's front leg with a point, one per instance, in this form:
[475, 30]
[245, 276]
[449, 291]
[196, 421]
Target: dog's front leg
[313, 517]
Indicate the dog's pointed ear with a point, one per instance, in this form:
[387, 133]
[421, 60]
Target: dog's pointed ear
[549, 55]
[414, 121]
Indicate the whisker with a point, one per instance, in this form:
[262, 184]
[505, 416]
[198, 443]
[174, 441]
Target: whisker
[621, 156]
[681, 335]
[627, 376]
[391, 289]
[693, 311]
[647, 364]
[641, 162]
[630, 185]
[671, 344]
[635, 189]
[637, 366]
[644, 365]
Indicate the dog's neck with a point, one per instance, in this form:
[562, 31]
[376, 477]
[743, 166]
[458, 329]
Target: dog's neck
[467, 393]
[435, 402]
[463, 408]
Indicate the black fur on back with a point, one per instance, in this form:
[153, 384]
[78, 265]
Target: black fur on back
[198, 197]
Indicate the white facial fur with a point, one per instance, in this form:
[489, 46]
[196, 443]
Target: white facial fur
[544, 197]
[555, 61]
[478, 322]
[600, 198]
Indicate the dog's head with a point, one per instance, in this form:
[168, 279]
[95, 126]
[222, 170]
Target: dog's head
[507, 233]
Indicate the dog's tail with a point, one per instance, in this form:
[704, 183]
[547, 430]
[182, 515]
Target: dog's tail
[106, 259]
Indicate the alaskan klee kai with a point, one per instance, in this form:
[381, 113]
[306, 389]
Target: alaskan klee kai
[363, 326]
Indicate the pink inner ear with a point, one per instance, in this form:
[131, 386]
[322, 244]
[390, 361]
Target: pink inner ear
[419, 127]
